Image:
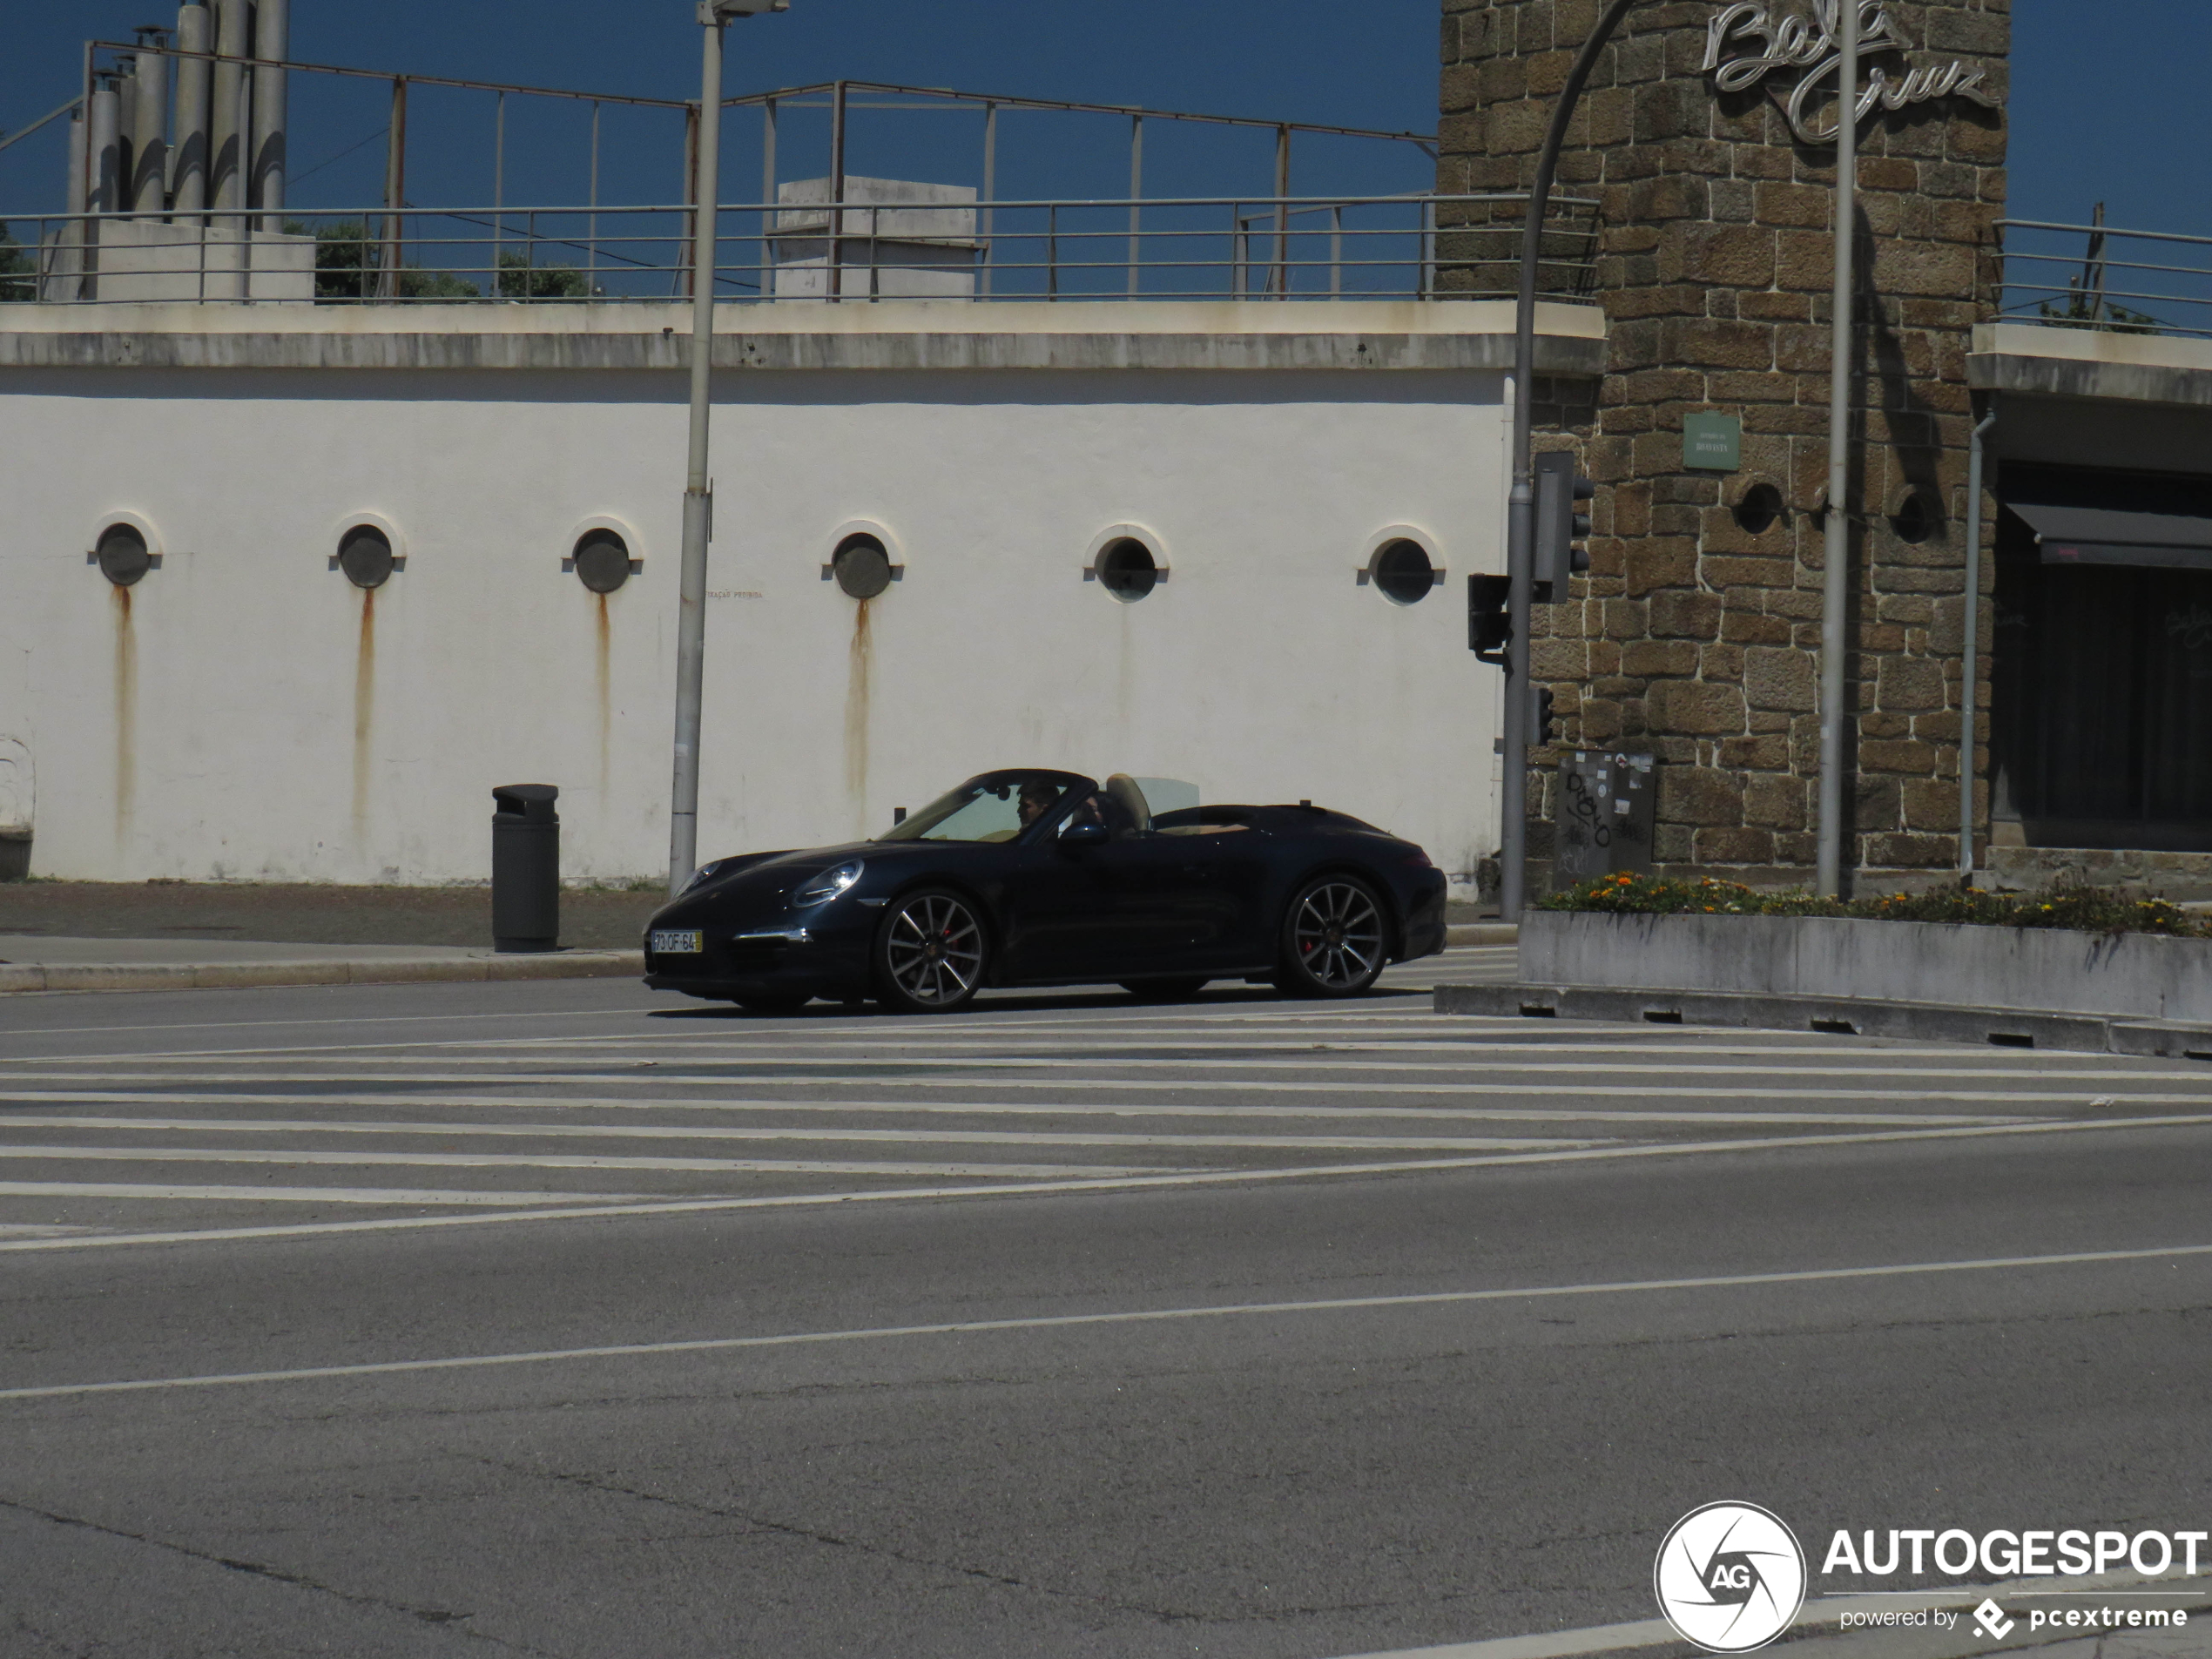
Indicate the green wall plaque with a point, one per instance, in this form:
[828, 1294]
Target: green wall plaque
[1712, 442]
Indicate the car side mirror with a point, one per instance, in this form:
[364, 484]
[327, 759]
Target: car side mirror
[1085, 835]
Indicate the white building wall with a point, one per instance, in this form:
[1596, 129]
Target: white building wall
[244, 712]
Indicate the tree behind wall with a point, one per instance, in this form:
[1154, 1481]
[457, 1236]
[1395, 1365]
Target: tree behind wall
[349, 266]
[19, 269]
[520, 280]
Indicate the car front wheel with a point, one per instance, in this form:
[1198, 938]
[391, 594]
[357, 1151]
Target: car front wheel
[930, 953]
[1333, 940]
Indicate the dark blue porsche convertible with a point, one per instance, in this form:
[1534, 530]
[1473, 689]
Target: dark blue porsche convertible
[1033, 877]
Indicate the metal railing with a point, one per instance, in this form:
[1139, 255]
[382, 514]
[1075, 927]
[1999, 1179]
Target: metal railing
[2116, 281]
[938, 246]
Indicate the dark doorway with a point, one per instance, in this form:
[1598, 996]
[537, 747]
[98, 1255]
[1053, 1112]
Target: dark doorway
[2101, 701]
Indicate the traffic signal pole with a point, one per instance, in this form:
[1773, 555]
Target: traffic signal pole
[1520, 514]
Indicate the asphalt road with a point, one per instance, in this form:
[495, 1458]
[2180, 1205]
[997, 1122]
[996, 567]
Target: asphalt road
[607, 1325]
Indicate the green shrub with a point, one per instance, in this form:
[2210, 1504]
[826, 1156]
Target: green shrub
[2084, 909]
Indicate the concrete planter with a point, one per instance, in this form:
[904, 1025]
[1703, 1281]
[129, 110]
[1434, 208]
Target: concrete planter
[2137, 976]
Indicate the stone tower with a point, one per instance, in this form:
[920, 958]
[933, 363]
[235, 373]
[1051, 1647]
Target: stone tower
[1705, 140]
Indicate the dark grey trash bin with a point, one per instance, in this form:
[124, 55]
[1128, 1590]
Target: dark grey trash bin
[525, 868]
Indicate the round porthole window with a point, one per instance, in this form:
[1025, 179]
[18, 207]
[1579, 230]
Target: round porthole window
[861, 567]
[365, 555]
[1759, 510]
[1127, 570]
[1916, 518]
[601, 561]
[122, 554]
[1405, 572]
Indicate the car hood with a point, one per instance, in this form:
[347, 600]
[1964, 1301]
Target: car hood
[757, 882]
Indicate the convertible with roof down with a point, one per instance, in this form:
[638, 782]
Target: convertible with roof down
[1033, 877]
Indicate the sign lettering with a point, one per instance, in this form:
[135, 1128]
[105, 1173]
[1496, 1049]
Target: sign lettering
[1786, 42]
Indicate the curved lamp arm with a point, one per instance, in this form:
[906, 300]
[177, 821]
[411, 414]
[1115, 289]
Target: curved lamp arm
[1520, 535]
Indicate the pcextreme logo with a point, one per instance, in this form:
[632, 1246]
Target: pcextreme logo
[1730, 1577]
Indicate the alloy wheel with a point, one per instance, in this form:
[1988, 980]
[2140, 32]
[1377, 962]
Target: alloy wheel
[934, 951]
[1338, 935]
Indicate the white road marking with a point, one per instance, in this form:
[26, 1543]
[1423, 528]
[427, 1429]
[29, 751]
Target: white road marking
[1173, 1179]
[1193, 1086]
[1010, 1021]
[1143, 1316]
[1670, 1040]
[347, 1019]
[1360, 1112]
[299, 1195]
[556, 1161]
[1995, 1063]
[1359, 1043]
[745, 1132]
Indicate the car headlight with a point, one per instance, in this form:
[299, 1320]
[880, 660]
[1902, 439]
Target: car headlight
[826, 886]
[704, 874]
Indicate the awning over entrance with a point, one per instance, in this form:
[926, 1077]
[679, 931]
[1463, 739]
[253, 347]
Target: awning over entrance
[2115, 535]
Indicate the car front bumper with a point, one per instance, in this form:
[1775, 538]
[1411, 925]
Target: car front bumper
[1425, 918]
[786, 960]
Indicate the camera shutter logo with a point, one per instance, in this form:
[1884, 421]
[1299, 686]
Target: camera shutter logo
[1730, 1577]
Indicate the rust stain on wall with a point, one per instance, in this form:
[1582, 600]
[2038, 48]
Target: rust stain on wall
[606, 690]
[126, 715]
[858, 661]
[1125, 682]
[364, 713]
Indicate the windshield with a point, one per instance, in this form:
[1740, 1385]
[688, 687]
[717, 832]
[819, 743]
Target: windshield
[997, 806]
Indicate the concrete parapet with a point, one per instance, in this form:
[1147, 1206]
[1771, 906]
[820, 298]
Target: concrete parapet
[1840, 1016]
[2057, 973]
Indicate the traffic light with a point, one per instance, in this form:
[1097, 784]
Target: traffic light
[1560, 524]
[1540, 717]
[1489, 626]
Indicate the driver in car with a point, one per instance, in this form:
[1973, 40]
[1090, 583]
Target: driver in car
[1037, 799]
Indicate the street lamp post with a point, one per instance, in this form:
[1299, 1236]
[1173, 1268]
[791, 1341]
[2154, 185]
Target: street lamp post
[699, 496]
[1835, 587]
[1520, 518]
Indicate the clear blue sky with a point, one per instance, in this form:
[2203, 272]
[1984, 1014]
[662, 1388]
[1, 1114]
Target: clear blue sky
[2115, 109]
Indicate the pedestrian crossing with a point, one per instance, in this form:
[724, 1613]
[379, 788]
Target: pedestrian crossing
[697, 1107]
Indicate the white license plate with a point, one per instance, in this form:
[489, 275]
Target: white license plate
[673, 942]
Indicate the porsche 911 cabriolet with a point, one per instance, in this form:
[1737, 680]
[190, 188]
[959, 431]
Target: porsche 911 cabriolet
[1032, 877]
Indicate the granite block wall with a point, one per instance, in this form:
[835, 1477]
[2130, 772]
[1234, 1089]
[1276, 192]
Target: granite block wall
[1695, 635]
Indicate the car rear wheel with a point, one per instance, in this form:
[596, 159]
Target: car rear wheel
[1163, 990]
[930, 953]
[1333, 941]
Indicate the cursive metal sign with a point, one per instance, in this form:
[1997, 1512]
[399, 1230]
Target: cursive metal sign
[1794, 42]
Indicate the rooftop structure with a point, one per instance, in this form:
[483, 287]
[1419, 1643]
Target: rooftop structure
[158, 207]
